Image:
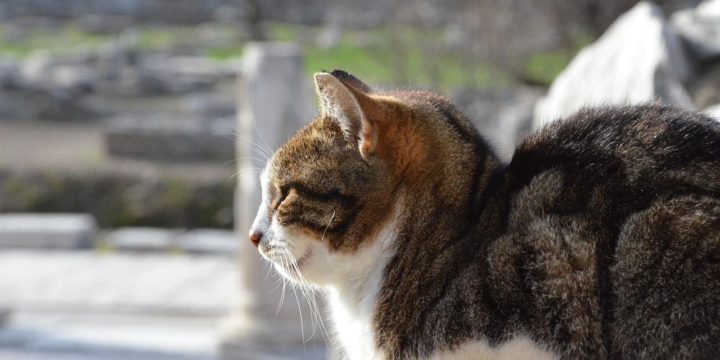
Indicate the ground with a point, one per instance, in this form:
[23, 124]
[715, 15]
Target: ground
[91, 305]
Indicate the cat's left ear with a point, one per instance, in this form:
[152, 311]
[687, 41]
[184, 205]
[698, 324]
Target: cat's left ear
[348, 105]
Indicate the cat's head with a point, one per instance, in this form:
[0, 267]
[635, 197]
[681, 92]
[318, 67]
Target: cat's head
[329, 191]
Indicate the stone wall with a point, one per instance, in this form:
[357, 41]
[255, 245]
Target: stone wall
[182, 11]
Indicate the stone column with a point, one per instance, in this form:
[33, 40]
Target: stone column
[275, 99]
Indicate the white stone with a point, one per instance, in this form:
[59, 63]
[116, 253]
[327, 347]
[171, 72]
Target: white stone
[36, 69]
[141, 239]
[75, 77]
[700, 27]
[48, 231]
[208, 241]
[639, 59]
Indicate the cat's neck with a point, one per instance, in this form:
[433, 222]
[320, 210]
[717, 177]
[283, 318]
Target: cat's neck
[413, 254]
[439, 248]
[353, 299]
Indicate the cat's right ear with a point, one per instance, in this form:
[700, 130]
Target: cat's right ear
[348, 106]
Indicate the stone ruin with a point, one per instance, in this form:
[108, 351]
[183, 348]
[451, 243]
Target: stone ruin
[166, 125]
[108, 87]
[644, 57]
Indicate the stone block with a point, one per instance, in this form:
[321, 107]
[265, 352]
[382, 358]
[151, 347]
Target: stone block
[700, 28]
[46, 231]
[639, 59]
[171, 138]
[141, 239]
[208, 241]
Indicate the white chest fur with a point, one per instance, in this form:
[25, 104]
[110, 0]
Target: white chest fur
[517, 348]
[352, 304]
[354, 331]
[353, 300]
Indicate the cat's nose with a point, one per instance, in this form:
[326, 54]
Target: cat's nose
[255, 237]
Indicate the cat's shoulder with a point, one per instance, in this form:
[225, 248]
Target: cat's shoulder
[592, 135]
[612, 146]
[606, 126]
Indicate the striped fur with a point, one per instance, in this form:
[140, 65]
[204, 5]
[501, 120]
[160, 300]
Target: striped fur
[599, 240]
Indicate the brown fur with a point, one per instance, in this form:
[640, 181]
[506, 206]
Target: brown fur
[599, 239]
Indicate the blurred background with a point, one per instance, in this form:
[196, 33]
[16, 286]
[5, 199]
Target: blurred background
[126, 127]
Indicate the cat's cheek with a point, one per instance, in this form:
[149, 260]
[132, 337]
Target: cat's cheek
[312, 259]
[316, 268]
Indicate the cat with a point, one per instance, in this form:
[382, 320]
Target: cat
[600, 239]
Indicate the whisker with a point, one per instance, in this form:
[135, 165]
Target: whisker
[282, 295]
[322, 238]
[264, 143]
[309, 294]
[245, 170]
[302, 328]
[302, 284]
[256, 145]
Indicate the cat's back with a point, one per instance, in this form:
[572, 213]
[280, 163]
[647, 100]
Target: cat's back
[614, 213]
[643, 151]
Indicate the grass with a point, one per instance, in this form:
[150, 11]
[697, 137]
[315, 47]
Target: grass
[221, 53]
[542, 68]
[67, 39]
[378, 56]
[157, 39]
[382, 62]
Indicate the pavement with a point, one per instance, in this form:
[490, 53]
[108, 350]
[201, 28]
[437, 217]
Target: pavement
[90, 305]
[55, 335]
[92, 281]
[87, 304]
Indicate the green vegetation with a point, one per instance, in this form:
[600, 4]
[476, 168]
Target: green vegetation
[66, 39]
[399, 58]
[224, 52]
[543, 68]
[157, 38]
[380, 55]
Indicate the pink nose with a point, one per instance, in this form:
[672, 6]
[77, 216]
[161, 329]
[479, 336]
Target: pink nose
[255, 237]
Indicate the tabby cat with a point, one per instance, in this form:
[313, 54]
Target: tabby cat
[599, 240]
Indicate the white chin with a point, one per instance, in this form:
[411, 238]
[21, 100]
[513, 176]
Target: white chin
[286, 273]
[310, 272]
[290, 271]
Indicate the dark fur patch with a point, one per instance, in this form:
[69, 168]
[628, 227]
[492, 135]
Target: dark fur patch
[540, 258]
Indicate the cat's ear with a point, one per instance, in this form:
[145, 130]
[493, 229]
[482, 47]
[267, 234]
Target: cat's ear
[351, 81]
[348, 106]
